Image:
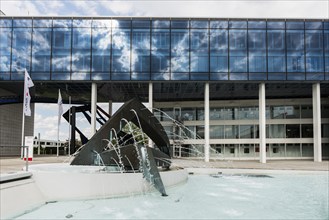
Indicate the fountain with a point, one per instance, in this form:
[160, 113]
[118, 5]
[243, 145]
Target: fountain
[137, 155]
[115, 162]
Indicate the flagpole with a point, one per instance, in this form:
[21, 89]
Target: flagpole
[69, 125]
[57, 139]
[23, 118]
[26, 105]
[23, 126]
[60, 112]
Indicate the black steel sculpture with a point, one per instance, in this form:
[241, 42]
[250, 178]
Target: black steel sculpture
[130, 154]
[70, 117]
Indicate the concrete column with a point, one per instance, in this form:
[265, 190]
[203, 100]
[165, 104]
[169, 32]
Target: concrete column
[93, 107]
[206, 122]
[262, 123]
[316, 98]
[150, 107]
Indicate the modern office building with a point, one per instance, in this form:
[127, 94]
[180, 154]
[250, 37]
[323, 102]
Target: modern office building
[245, 88]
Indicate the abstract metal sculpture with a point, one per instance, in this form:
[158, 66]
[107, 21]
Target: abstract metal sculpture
[130, 154]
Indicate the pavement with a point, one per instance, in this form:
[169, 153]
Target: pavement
[14, 164]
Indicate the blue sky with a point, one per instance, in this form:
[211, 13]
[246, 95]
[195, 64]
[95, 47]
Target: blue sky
[46, 114]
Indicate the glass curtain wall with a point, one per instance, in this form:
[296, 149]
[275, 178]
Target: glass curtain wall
[164, 49]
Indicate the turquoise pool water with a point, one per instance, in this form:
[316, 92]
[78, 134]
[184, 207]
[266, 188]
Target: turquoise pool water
[279, 196]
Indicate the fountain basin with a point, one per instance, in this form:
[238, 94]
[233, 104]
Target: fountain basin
[63, 182]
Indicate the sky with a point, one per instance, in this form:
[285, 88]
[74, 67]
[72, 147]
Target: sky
[46, 115]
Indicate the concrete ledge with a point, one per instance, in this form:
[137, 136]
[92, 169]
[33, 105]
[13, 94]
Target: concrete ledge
[9, 177]
[19, 196]
[65, 182]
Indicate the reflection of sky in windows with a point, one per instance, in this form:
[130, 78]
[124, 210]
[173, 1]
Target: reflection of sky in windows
[179, 49]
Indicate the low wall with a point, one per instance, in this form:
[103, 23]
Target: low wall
[58, 182]
[74, 185]
[17, 196]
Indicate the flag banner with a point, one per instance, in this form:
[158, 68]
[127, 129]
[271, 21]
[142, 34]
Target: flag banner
[27, 98]
[28, 152]
[60, 106]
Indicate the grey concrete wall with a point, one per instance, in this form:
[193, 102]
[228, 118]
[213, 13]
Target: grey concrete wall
[11, 128]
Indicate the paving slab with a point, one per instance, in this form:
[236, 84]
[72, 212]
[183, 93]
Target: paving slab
[17, 164]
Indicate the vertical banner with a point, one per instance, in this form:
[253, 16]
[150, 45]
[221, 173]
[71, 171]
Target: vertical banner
[28, 151]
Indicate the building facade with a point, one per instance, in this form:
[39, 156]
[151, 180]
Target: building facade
[236, 88]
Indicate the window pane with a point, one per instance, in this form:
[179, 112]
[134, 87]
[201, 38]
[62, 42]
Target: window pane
[275, 25]
[41, 51]
[306, 111]
[141, 53]
[5, 22]
[247, 131]
[5, 51]
[238, 51]
[257, 24]
[81, 53]
[160, 24]
[293, 150]
[180, 52]
[22, 23]
[277, 131]
[121, 51]
[199, 24]
[307, 150]
[307, 131]
[231, 131]
[61, 53]
[292, 131]
[121, 24]
[218, 24]
[314, 53]
[101, 52]
[216, 131]
[292, 111]
[277, 112]
[295, 54]
[179, 24]
[43, 23]
[295, 25]
[257, 51]
[313, 25]
[238, 24]
[21, 52]
[141, 24]
[276, 51]
[218, 50]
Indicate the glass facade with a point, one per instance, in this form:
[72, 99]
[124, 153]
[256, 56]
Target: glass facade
[234, 129]
[143, 49]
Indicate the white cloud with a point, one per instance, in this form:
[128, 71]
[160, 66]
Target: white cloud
[222, 9]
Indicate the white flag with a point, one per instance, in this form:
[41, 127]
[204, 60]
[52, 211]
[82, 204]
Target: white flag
[60, 106]
[27, 98]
